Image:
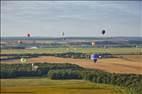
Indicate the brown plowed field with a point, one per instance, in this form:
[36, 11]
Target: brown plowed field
[113, 65]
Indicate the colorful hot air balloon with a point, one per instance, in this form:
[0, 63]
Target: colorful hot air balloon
[94, 57]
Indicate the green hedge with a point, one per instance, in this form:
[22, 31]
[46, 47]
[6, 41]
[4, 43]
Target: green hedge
[63, 55]
[25, 70]
[131, 81]
[65, 74]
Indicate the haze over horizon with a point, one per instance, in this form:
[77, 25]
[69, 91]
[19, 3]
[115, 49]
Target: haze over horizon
[74, 18]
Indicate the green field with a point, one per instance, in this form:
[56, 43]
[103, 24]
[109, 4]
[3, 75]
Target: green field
[82, 50]
[47, 86]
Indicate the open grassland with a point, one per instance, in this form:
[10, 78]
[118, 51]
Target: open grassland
[46, 86]
[82, 50]
[113, 65]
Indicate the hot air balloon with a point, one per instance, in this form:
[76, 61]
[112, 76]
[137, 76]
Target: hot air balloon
[23, 60]
[19, 42]
[103, 32]
[63, 35]
[34, 67]
[28, 35]
[93, 43]
[94, 57]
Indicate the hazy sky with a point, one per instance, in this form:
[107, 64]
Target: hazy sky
[74, 18]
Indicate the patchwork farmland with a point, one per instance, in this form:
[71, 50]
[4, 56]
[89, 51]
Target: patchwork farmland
[125, 61]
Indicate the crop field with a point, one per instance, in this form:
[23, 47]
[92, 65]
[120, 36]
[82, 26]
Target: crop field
[134, 58]
[126, 62]
[70, 47]
[113, 65]
[47, 86]
[82, 50]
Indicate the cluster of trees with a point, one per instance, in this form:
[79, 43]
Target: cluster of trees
[71, 71]
[65, 74]
[131, 81]
[64, 55]
[72, 55]
[17, 56]
[25, 70]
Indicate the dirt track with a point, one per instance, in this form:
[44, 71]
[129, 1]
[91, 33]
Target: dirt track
[114, 65]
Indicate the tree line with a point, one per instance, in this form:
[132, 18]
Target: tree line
[75, 55]
[72, 71]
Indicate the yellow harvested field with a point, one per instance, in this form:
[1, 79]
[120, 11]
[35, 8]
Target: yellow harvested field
[113, 65]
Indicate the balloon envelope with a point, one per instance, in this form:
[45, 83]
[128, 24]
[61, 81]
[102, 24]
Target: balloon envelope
[62, 33]
[94, 56]
[28, 35]
[19, 42]
[23, 60]
[93, 43]
[103, 32]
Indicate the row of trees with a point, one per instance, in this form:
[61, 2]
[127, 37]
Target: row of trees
[25, 70]
[64, 55]
[71, 71]
[131, 81]
[65, 74]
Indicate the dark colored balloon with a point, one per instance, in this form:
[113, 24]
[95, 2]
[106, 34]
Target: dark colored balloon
[103, 32]
[28, 35]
